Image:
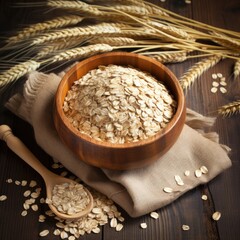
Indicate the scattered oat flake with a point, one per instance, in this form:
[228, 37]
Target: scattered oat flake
[42, 200]
[187, 173]
[63, 235]
[57, 232]
[113, 222]
[24, 183]
[185, 227]
[198, 173]
[24, 213]
[167, 189]
[34, 207]
[9, 180]
[204, 197]
[41, 218]
[143, 225]
[223, 79]
[204, 169]
[214, 76]
[223, 90]
[71, 238]
[26, 206]
[188, 1]
[214, 89]
[27, 193]
[55, 165]
[119, 227]
[219, 75]
[3, 198]
[44, 233]
[215, 84]
[154, 215]
[17, 182]
[216, 216]
[32, 183]
[223, 83]
[96, 230]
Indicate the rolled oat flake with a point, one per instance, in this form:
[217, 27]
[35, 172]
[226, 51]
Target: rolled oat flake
[216, 216]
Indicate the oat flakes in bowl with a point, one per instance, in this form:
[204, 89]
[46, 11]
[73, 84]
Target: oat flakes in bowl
[119, 110]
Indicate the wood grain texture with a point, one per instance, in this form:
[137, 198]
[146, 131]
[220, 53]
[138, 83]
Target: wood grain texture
[223, 192]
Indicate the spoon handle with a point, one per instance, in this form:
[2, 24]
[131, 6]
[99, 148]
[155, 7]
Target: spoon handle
[17, 146]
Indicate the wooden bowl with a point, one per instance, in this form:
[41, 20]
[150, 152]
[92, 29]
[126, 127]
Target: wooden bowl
[128, 155]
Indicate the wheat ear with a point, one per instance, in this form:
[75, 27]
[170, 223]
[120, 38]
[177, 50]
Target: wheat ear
[81, 52]
[230, 109]
[77, 32]
[236, 71]
[34, 29]
[113, 41]
[78, 6]
[169, 57]
[197, 70]
[173, 31]
[17, 71]
[226, 41]
[59, 45]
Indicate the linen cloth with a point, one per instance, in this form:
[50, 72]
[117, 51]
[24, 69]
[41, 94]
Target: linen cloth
[138, 191]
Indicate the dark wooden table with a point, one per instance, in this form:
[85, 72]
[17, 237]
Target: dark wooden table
[223, 192]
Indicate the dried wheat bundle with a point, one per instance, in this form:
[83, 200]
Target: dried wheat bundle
[197, 70]
[133, 25]
[230, 109]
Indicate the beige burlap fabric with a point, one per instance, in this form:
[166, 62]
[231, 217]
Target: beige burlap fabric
[137, 191]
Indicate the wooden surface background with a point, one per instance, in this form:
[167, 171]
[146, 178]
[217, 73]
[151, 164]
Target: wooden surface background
[223, 192]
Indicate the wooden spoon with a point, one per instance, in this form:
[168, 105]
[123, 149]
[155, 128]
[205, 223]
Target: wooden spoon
[50, 179]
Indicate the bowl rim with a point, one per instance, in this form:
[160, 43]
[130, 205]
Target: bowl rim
[181, 107]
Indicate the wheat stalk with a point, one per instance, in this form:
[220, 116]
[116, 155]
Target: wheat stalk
[77, 32]
[18, 71]
[230, 109]
[236, 71]
[168, 57]
[81, 52]
[75, 6]
[34, 29]
[197, 70]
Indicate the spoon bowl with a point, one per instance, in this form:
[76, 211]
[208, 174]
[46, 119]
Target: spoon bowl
[50, 179]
